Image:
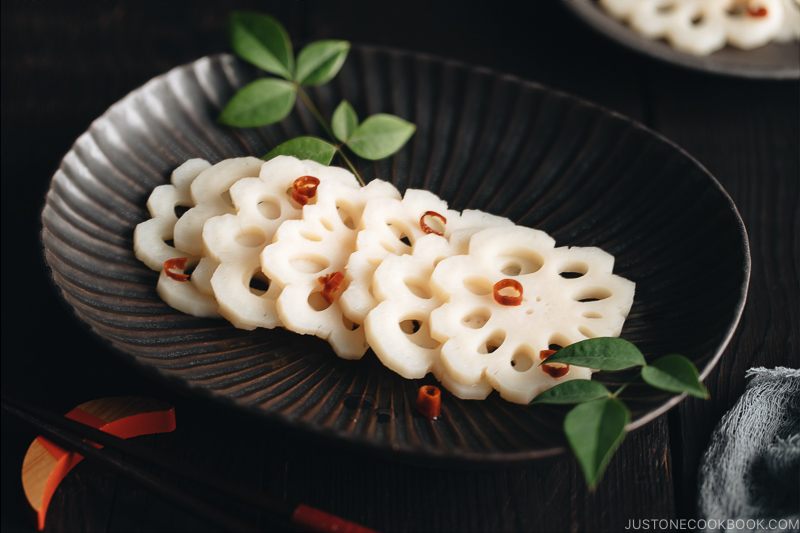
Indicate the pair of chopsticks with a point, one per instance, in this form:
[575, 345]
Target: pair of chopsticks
[207, 498]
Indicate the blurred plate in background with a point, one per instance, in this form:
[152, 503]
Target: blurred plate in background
[772, 61]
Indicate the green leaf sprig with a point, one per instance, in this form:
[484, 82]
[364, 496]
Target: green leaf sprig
[595, 427]
[262, 41]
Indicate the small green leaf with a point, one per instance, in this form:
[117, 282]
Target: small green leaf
[573, 391]
[263, 41]
[594, 430]
[380, 136]
[344, 121]
[320, 61]
[602, 353]
[675, 373]
[305, 148]
[259, 103]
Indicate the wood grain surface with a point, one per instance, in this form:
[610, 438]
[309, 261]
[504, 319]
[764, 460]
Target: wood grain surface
[64, 63]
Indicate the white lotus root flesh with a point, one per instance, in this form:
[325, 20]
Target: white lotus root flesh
[203, 189]
[392, 227]
[569, 294]
[246, 297]
[703, 26]
[398, 328]
[153, 243]
[316, 246]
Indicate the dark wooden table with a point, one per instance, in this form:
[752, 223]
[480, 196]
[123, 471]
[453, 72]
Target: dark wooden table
[64, 63]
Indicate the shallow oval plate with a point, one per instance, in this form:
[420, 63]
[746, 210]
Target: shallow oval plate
[772, 61]
[587, 176]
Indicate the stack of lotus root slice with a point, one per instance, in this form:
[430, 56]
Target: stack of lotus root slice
[468, 296]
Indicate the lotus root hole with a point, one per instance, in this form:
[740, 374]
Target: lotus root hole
[493, 342]
[573, 270]
[593, 294]
[269, 209]
[326, 223]
[669, 7]
[512, 269]
[410, 327]
[588, 333]
[478, 286]
[310, 264]
[180, 210]
[522, 359]
[251, 238]
[418, 288]
[519, 263]
[317, 301]
[258, 283]
[477, 319]
[310, 236]
[402, 234]
[592, 314]
[349, 324]
[418, 333]
[736, 10]
[346, 217]
[557, 341]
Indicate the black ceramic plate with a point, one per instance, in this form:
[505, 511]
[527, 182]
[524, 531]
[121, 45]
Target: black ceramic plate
[545, 159]
[773, 61]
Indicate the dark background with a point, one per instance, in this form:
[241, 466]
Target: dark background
[64, 63]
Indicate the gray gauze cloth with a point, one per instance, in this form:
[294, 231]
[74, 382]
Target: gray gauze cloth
[751, 469]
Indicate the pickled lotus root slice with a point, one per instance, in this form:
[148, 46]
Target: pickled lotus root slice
[246, 296]
[307, 250]
[398, 329]
[469, 222]
[389, 227]
[152, 244]
[568, 294]
[701, 27]
[392, 227]
[152, 239]
[192, 296]
[210, 195]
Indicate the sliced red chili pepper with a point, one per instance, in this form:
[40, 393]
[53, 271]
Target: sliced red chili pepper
[556, 370]
[507, 299]
[544, 354]
[174, 268]
[426, 228]
[304, 189]
[757, 12]
[331, 284]
[429, 401]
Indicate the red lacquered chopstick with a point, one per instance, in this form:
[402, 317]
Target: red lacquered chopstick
[136, 462]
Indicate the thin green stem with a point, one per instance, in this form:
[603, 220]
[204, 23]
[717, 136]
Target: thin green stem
[312, 108]
[315, 111]
[619, 390]
[350, 164]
